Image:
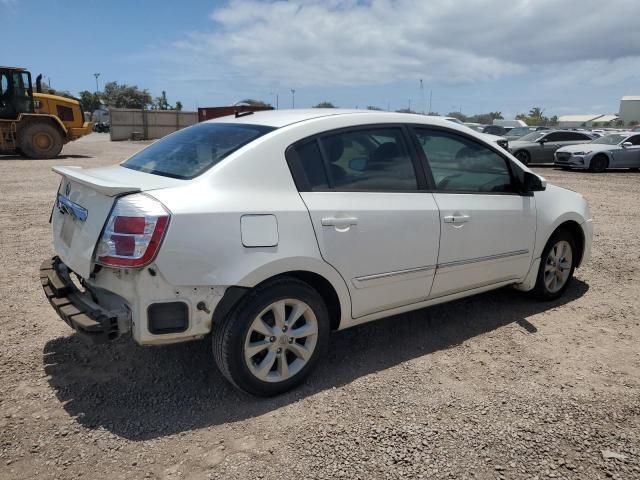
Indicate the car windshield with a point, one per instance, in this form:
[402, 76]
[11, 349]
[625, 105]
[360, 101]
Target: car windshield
[193, 150]
[519, 131]
[532, 137]
[613, 139]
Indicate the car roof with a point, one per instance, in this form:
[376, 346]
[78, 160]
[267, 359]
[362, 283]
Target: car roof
[283, 118]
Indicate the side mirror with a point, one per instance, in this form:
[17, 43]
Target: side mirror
[542, 140]
[627, 144]
[533, 183]
[358, 164]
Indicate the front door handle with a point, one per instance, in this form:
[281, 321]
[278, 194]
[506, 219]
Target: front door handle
[456, 219]
[340, 222]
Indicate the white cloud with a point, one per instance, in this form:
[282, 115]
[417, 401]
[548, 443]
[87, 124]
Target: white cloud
[349, 42]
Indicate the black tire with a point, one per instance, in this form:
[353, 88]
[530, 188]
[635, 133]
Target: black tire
[541, 290]
[229, 335]
[599, 163]
[523, 156]
[40, 140]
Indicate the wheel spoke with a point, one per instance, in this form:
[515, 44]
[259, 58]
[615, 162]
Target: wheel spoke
[261, 327]
[548, 267]
[304, 331]
[565, 264]
[254, 348]
[296, 313]
[278, 314]
[299, 350]
[263, 369]
[283, 367]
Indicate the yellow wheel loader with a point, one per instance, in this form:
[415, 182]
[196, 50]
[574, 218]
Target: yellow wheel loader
[36, 125]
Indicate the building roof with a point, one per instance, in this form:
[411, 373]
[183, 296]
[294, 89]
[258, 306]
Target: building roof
[631, 98]
[606, 118]
[579, 118]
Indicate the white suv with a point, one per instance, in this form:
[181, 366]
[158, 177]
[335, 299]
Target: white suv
[269, 230]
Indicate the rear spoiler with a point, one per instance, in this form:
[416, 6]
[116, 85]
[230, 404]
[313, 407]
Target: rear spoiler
[106, 187]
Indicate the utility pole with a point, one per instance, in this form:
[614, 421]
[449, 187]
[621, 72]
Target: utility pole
[97, 75]
[430, 97]
[422, 95]
[409, 106]
[293, 98]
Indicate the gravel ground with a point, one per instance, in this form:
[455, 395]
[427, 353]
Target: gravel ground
[494, 386]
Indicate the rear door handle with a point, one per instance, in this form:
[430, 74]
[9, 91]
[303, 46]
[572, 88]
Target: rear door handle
[456, 219]
[340, 222]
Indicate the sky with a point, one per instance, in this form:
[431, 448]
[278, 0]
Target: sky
[473, 56]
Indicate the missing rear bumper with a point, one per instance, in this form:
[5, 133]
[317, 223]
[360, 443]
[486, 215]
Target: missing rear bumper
[78, 309]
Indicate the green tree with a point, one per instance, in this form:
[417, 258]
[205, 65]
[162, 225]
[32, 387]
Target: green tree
[162, 103]
[619, 123]
[178, 105]
[633, 123]
[405, 110]
[459, 115]
[125, 96]
[325, 104]
[90, 101]
[371, 107]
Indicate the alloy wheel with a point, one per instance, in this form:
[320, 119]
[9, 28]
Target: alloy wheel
[558, 266]
[281, 340]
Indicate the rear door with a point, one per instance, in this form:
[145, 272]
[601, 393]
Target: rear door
[374, 222]
[487, 228]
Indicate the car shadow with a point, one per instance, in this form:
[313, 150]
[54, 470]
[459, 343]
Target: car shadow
[143, 393]
[59, 157]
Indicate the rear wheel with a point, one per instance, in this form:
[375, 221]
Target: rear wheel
[557, 265]
[273, 340]
[523, 156]
[599, 163]
[40, 140]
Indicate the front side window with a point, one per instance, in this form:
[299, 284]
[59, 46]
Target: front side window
[193, 150]
[532, 137]
[635, 140]
[459, 164]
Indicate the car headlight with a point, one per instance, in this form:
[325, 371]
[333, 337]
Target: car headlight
[580, 153]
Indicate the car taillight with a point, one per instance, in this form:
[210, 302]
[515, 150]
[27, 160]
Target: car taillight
[133, 233]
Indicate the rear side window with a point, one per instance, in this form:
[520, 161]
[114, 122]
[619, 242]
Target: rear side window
[462, 165]
[193, 150]
[368, 160]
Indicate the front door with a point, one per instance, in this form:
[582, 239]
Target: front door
[487, 228]
[372, 222]
[628, 156]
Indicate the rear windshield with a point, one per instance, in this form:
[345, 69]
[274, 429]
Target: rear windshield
[193, 150]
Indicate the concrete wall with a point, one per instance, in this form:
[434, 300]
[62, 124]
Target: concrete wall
[630, 110]
[127, 124]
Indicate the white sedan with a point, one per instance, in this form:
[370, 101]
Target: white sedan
[268, 230]
[616, 150]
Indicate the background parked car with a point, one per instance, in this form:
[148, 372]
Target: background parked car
[539, 147]
[616, 150]
[517, 132]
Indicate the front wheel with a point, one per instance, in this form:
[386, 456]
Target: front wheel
[273, 339]
[557, 265]
[599, 163]
[40, 140]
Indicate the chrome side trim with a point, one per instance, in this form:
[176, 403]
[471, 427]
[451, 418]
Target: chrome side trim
[380, 278]
[498, 256]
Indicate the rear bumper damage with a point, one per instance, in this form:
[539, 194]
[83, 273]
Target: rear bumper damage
[79, 309]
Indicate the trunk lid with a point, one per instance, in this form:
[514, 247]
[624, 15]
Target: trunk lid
[82, 206]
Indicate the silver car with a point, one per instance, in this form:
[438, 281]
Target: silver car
[539, 147]
[616, 150]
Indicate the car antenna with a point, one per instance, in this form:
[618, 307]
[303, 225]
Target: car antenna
[243, 114]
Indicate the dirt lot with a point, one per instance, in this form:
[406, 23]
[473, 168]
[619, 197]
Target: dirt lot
[495, 386]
